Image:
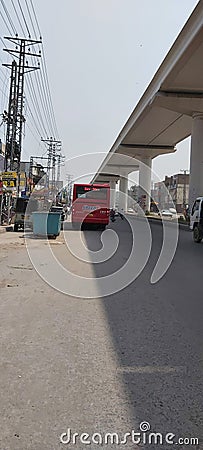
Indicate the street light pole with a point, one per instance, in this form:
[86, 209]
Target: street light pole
[184, 187]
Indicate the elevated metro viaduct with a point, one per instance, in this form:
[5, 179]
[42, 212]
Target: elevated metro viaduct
[170, 110]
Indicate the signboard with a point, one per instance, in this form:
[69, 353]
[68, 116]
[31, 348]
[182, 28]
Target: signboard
[9, 179]
[10, 174]
[22, 179]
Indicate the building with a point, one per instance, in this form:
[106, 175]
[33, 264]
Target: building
[132, 196]
[176, 195]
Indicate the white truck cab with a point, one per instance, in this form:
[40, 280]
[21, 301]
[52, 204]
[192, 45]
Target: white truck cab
[196, 219]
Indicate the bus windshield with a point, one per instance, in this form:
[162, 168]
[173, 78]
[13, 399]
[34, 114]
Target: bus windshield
[91, 192]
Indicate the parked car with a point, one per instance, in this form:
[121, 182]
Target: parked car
[166, 213]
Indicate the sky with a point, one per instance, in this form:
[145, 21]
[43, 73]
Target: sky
[101, 55]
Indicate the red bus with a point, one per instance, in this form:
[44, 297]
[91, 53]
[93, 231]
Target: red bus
[91, 205]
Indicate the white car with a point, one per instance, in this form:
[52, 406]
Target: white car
[166, 213]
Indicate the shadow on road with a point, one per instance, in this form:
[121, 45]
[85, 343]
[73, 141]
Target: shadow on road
[157, 333]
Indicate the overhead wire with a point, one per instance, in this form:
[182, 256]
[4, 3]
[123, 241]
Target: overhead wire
[44, 77]
[39, 77]
[43, 98]
[49, 95]
[35, 136]
[30, 17]
[4, 20]
[25, 22]
[34, 124]
[18, 18]
[44, 119]
[43, 84]
[34, 100]
[45, 74]
[37, 23]
[8, 16]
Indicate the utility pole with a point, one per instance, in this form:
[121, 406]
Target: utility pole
[51, 165]
[69, 179]
[15, 118]
[184, 187]
[54, 169]
[31, 173]
[59, 168]
[60, 163]
[11, 150]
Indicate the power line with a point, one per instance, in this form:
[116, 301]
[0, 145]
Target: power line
[35, 103]
[5, 23]
[35, 18]
[46, 76]
[17, 15]
[24, 19]
[36, 126]
[8, 17]
[39, 94]
[16, 102]
[31, 21]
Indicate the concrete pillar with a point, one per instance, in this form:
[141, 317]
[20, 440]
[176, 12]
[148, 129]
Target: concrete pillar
[123, 194]
[144, 195]
[112, 194]
[196, 160]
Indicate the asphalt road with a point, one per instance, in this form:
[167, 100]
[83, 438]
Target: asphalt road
[104, 364]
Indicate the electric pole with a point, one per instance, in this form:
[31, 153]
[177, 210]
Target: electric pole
[54, 169]
[69, 179]
[60, 163]
[59, 168]
[15, 118]
[184, 186]
[53, 145]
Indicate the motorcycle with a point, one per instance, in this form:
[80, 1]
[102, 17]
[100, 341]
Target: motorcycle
[112, 215]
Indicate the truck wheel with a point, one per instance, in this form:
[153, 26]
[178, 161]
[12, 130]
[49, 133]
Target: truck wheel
[197, 235]
[15, 228]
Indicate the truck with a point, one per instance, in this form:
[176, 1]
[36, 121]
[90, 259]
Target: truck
[196, 220]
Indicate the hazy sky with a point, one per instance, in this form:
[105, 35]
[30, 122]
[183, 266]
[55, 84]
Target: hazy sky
[101, 56]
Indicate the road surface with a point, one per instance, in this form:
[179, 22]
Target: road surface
[100, 365]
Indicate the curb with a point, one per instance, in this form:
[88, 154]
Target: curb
[181, 226]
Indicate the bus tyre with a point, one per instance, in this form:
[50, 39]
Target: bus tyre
[197, 234]
[15, 228]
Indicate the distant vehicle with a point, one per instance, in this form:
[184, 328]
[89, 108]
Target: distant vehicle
[91, 205]
[116, 212]
[196, 220]
[173, 211]
[166, 213]
[24, 208]
[112, 214]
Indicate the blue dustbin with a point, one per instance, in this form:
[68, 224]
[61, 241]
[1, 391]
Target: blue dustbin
[46, 223]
